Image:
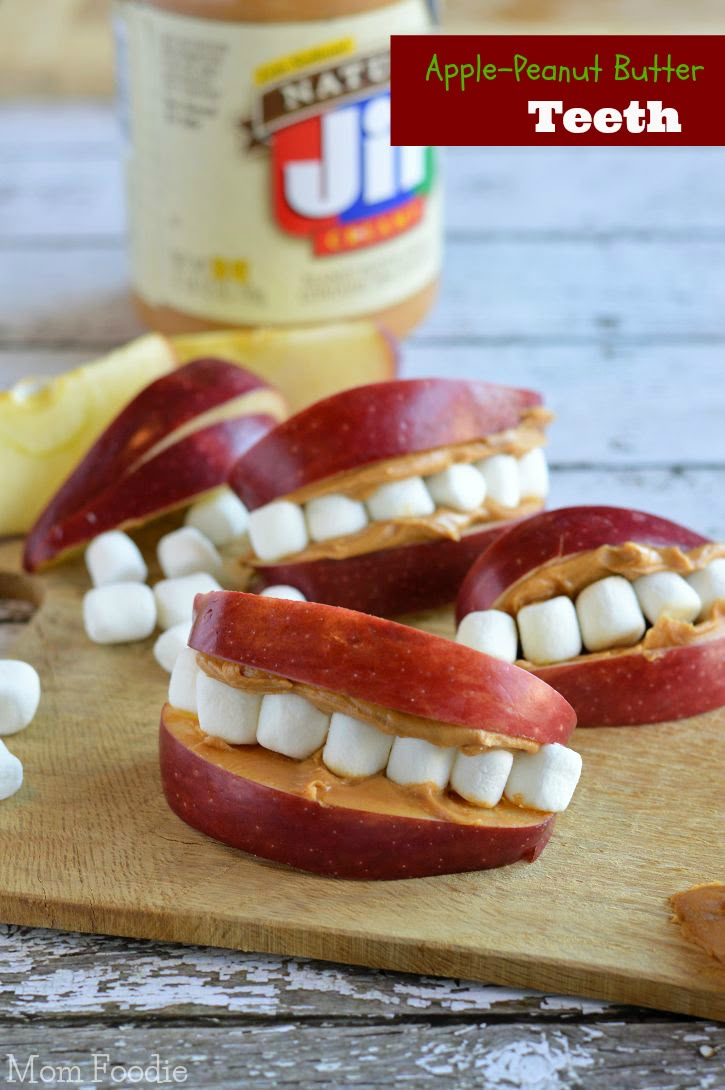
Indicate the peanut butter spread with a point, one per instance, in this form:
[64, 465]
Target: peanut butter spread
[470, 739]
[569, 576]
[700, 912]
[361, 482]
[310, 779]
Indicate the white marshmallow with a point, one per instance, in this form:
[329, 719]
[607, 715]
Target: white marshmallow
[119, 613]
[401, 499]
[533, 474]
[335, 516]
[283, 590]
[114, 558]
[221, 517]
[413, 760]
[481, 779]
[501, 473]
[19, 695]
[182, 684]
[490, 631]
[355, 749]
[609, 614]
[549, 631]
[278, 529]
[186, 551]
[460, 487]
[666, 594]
[175, 597]
[11, 773]
[226, 712]
[289, 724]
[170, 644]
[709, 584]
[545, 780]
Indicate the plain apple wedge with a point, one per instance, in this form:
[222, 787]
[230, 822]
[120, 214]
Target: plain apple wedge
[633, 685]
[175, 441]
[306, 364]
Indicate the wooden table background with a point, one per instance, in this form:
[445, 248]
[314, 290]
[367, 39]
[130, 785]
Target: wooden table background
[596, 276]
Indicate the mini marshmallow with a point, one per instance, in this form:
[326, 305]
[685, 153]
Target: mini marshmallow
[545, 780]
[186, 551]
[460, 487]
[175, 597]
[114, 558]
[19, 695]
[501, 473]
[533, 474]
[709, 584]
[401, 499]
[289, 724]
[278, 529]
[490, 631]
[170, 644]
[221, 517]
[283, 590]
[119, 613]
[182, 684]
[225, 712]
[549, 631]
[355, 749]
[335, 516]
[481, 779]
[609, 614]
[413, 760]
[666, 594]
[11, 773]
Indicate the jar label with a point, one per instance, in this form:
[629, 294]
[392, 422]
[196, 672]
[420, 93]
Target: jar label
[262, 185]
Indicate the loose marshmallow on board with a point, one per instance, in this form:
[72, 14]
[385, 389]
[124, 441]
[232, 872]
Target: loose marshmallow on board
[609, 614]
[401, 499]
[182, 685]
[549, 631]
[222, 517]
[175, 597]
[119, 613]
[19, 695]
[355, 749]
[667, 594]
[335, 516]
[11, 773]
[289, 724]
[114, 558]
[413, 760]
[170, 644]
[186, 551]
[225, 712]
[490, 631]
[545, 780]
[709, 585]
[460, 487]
[278, 529]
[481, 778]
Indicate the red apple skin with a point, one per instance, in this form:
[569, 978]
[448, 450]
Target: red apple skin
[624, 689]
[553, 535]
[334, 841]
[379, 661]
[388, 582]
[370, 423]
[105, 491]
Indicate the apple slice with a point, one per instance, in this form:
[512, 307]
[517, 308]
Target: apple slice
[371, 437]
[676, 670]
[47, 424]
[298, 812]
[175, 441]
[306, 364]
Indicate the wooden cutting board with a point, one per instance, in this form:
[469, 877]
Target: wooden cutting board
[89, 844]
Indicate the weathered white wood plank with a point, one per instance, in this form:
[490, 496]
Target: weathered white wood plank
[618, 406]
[464, 1056]
[490, 191]
[500, 292]
[57, 128]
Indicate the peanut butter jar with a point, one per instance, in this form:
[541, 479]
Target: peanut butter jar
[262, 186]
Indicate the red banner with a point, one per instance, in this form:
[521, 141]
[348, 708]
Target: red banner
[470, 89]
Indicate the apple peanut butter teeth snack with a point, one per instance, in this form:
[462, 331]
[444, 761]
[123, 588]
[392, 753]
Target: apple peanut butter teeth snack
[381, 497]
[345, 744]
[620, 611]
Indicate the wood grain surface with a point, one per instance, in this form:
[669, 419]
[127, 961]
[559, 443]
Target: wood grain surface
[90, 845]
